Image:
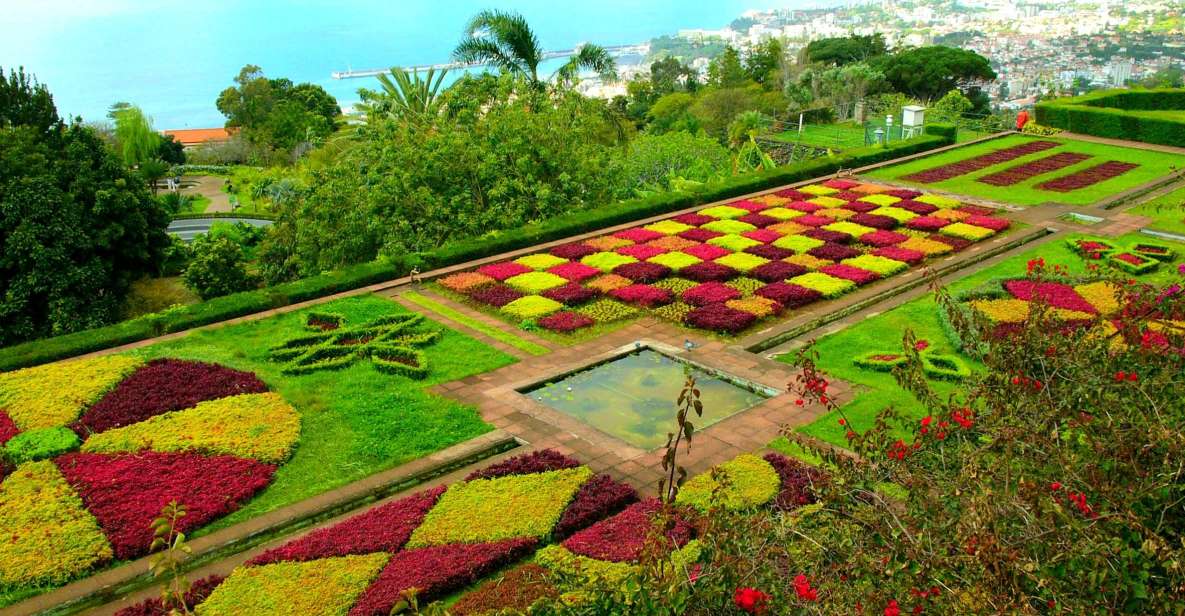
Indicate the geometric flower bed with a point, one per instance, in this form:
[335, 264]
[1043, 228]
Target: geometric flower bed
[934, 364]
[1019, 173]
[1139, 257]
[1088, 177]
[437, 541]
[726, 267]
[96, 447]
[983, 161]
[392, 343]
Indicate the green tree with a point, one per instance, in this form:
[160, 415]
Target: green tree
[670, 75]
[748, 126]
[274, 113]
[75, 227]
[763, 62]
[673, 113]
[930, 72]
[846, 50]
[171, 151]
[138, 142]
[726, 70]
[505, 41]
[407, 96]
[654, 161]
[951, 106]
[717, 108]
[217, 267]
[1166, 77]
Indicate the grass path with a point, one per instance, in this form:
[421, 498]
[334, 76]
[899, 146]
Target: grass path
[493, 332]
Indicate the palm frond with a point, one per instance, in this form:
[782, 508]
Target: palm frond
[518, 48]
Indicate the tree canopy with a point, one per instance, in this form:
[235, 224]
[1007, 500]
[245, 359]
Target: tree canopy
[275, 114]
[846, 50]
[930, 72]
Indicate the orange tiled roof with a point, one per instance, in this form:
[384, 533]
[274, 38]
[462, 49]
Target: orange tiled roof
[194, 136]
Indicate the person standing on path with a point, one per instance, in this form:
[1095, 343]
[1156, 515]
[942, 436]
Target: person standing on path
[1022, 118]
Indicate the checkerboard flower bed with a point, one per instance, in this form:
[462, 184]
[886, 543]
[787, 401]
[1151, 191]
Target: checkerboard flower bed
[758, 245]
[101, 445]
[437, 541]
[975, 163]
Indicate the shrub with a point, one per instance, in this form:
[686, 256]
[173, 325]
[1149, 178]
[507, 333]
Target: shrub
[642, 271]
[197, 593]
[828, 286]
[640, 251]
[693, 219]
[535, 282]
[540, 461]
[927, 223]
[710, 293]
[621, 538]
[1132, 263]
[745, 285]
[708, 271]
[164, 385]
[54, 394]
[599, 498]
[672, 243]
[876, 222]
[1091, 246]
[925, 246]
[797, 482]
[675, 285]
[720, 318]
[514, 591]
[752, 482]
[938, 201]
[49, 537]
[859, 276]
[565, 321]
[606, 261]
[540, 261]
[217, 268]
[531, 307]
[722, 212]
[39, 444]
[607, 243]
[897, 253]
[668, 227]
[798, 243]
[638, 235]
[965, 231]
[496, 295]
[880, 361]
[1103, 296]
[642, 295]
[759, 307]
[880, 199]
[678, 260]
[1137, 115]
[896, 213]
[828, 237]
[757, 220]
[782, 213]
[769, 251]
[502, 271]
[881, 266]
[575, 250]
[988, 222]
[945, 366]
[808, 261]
[813, 220]
[834, 252]
[699, 235]
[732, 227]
[789, 295]
[762, 235]
[326, 586]
[709, 252]
[917, 207]
[674, 311]
[574, 271]
[818, 190]
[1153, 250]
[733, 243]
[607, 310]
[741, 261]
[880, 239]
[608, 282]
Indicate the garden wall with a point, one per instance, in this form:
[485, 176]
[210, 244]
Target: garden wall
[248, 302]
[1137, 115]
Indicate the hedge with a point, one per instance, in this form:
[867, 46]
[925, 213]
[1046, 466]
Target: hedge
[1137, 115]
[239, 304]
[201, 215]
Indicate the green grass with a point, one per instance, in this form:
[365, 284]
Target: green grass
[354, 422]
[197, 204]
[875, 391]
[1166, 211]
[1153, 165]
[493, 332]
[840, 136]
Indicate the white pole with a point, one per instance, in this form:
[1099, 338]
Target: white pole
[800, 115]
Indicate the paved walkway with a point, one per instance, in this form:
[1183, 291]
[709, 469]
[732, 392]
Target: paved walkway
[209, 186]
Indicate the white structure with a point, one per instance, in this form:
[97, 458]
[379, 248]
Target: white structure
[913, 118]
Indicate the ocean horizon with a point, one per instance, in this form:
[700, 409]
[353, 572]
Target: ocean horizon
[173, 58]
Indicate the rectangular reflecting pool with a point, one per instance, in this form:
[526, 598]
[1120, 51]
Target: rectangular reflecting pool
[633, 396]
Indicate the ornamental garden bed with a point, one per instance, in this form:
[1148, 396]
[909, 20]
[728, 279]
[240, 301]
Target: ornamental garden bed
[101, 445]
[592, 530]
[882, 335]
[728, 267]
[1095, 172]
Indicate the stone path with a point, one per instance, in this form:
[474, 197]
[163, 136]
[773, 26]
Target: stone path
[209, 186]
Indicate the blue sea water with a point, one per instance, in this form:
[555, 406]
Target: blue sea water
[173, 57]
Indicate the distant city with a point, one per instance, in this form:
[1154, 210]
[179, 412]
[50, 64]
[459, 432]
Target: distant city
[1036, 48]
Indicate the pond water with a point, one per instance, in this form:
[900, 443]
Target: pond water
[633, 397]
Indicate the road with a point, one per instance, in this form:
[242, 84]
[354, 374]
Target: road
[188, 229]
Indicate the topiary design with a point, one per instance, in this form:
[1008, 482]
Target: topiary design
[391, 342]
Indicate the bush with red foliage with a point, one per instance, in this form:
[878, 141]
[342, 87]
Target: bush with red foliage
[8, 427]
[975, 163]
[575, 271]
[776, 271]
[847, 272]
[804, 206]
[708, 271]
[535, 462]
[788, 295]
[565, 321]
[769, 251]
[574, 251]
[1024, 171]
[571, 294]
[876, 221]
[1055, 294]
[988, 222]
[502, 271]
[641, 252]
[882, 238]
[599, 498]
[693, 219]
[862, 207]
[198, 591]
[699, 235]
[790, 193]
[622, 538]
[975, 210]
[834, 252]
[514, 592]
[642, 271]
[917, 207]
[126, 492]
[797, 481]
[897, 253]
[720, 318]
[759, 220]
[710, 293]
[436, 571]
[927, 223]
[385, 528]
[764, 236]
[160, 386]
[813, 220]
[638, 235]
[706, 252]
[751, 206]
[957, 243]
[642, 295]
[839, 184]
[903, 193]
[496, 295]
[1087, 177]
[834, 237]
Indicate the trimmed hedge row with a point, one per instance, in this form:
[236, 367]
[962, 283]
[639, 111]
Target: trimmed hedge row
[1136, 115]
[248, 302]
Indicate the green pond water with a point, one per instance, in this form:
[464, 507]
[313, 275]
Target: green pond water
[633, 397]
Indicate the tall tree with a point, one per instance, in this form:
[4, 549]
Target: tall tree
[504, 40]
[846, 50]
[930, 72]
[75, 227]
[726, 70]
[763, 62]
[138, 142]
[275, 113]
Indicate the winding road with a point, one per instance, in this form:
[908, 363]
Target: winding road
[189, 228]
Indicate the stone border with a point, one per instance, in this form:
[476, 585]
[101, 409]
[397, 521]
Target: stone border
[108, 585]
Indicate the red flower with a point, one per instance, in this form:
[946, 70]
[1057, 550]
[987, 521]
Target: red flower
[926, 420]
[843, 422]
[1055, 486]
[921, 345]
[802, 587]
[750, 600]
[694, 573]
[891, 609]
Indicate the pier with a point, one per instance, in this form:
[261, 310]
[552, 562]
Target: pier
[614, 50]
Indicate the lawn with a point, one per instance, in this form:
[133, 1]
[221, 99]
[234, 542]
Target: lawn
[1152, 165]
[354, 422]
[883, 332]
[195, 204]
[1166, 211]
[839, 136]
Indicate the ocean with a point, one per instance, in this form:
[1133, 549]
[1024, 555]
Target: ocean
[172, 58]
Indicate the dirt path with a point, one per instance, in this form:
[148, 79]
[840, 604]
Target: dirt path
[209, 186]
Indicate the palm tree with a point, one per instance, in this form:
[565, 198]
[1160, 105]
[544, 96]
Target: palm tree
[505, 40]
[410, 97]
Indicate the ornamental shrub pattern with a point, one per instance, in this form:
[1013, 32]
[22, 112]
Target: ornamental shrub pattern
[752, 482]
[390, 342]
[437, 541]
[838, 238]
[115, 441]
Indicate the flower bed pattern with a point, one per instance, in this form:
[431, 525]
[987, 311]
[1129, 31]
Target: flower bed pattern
[1087, 177]
[1024, 171]
[146, 438]
[391, 342]
[704, 269]
[975, 163]
[437, 541]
